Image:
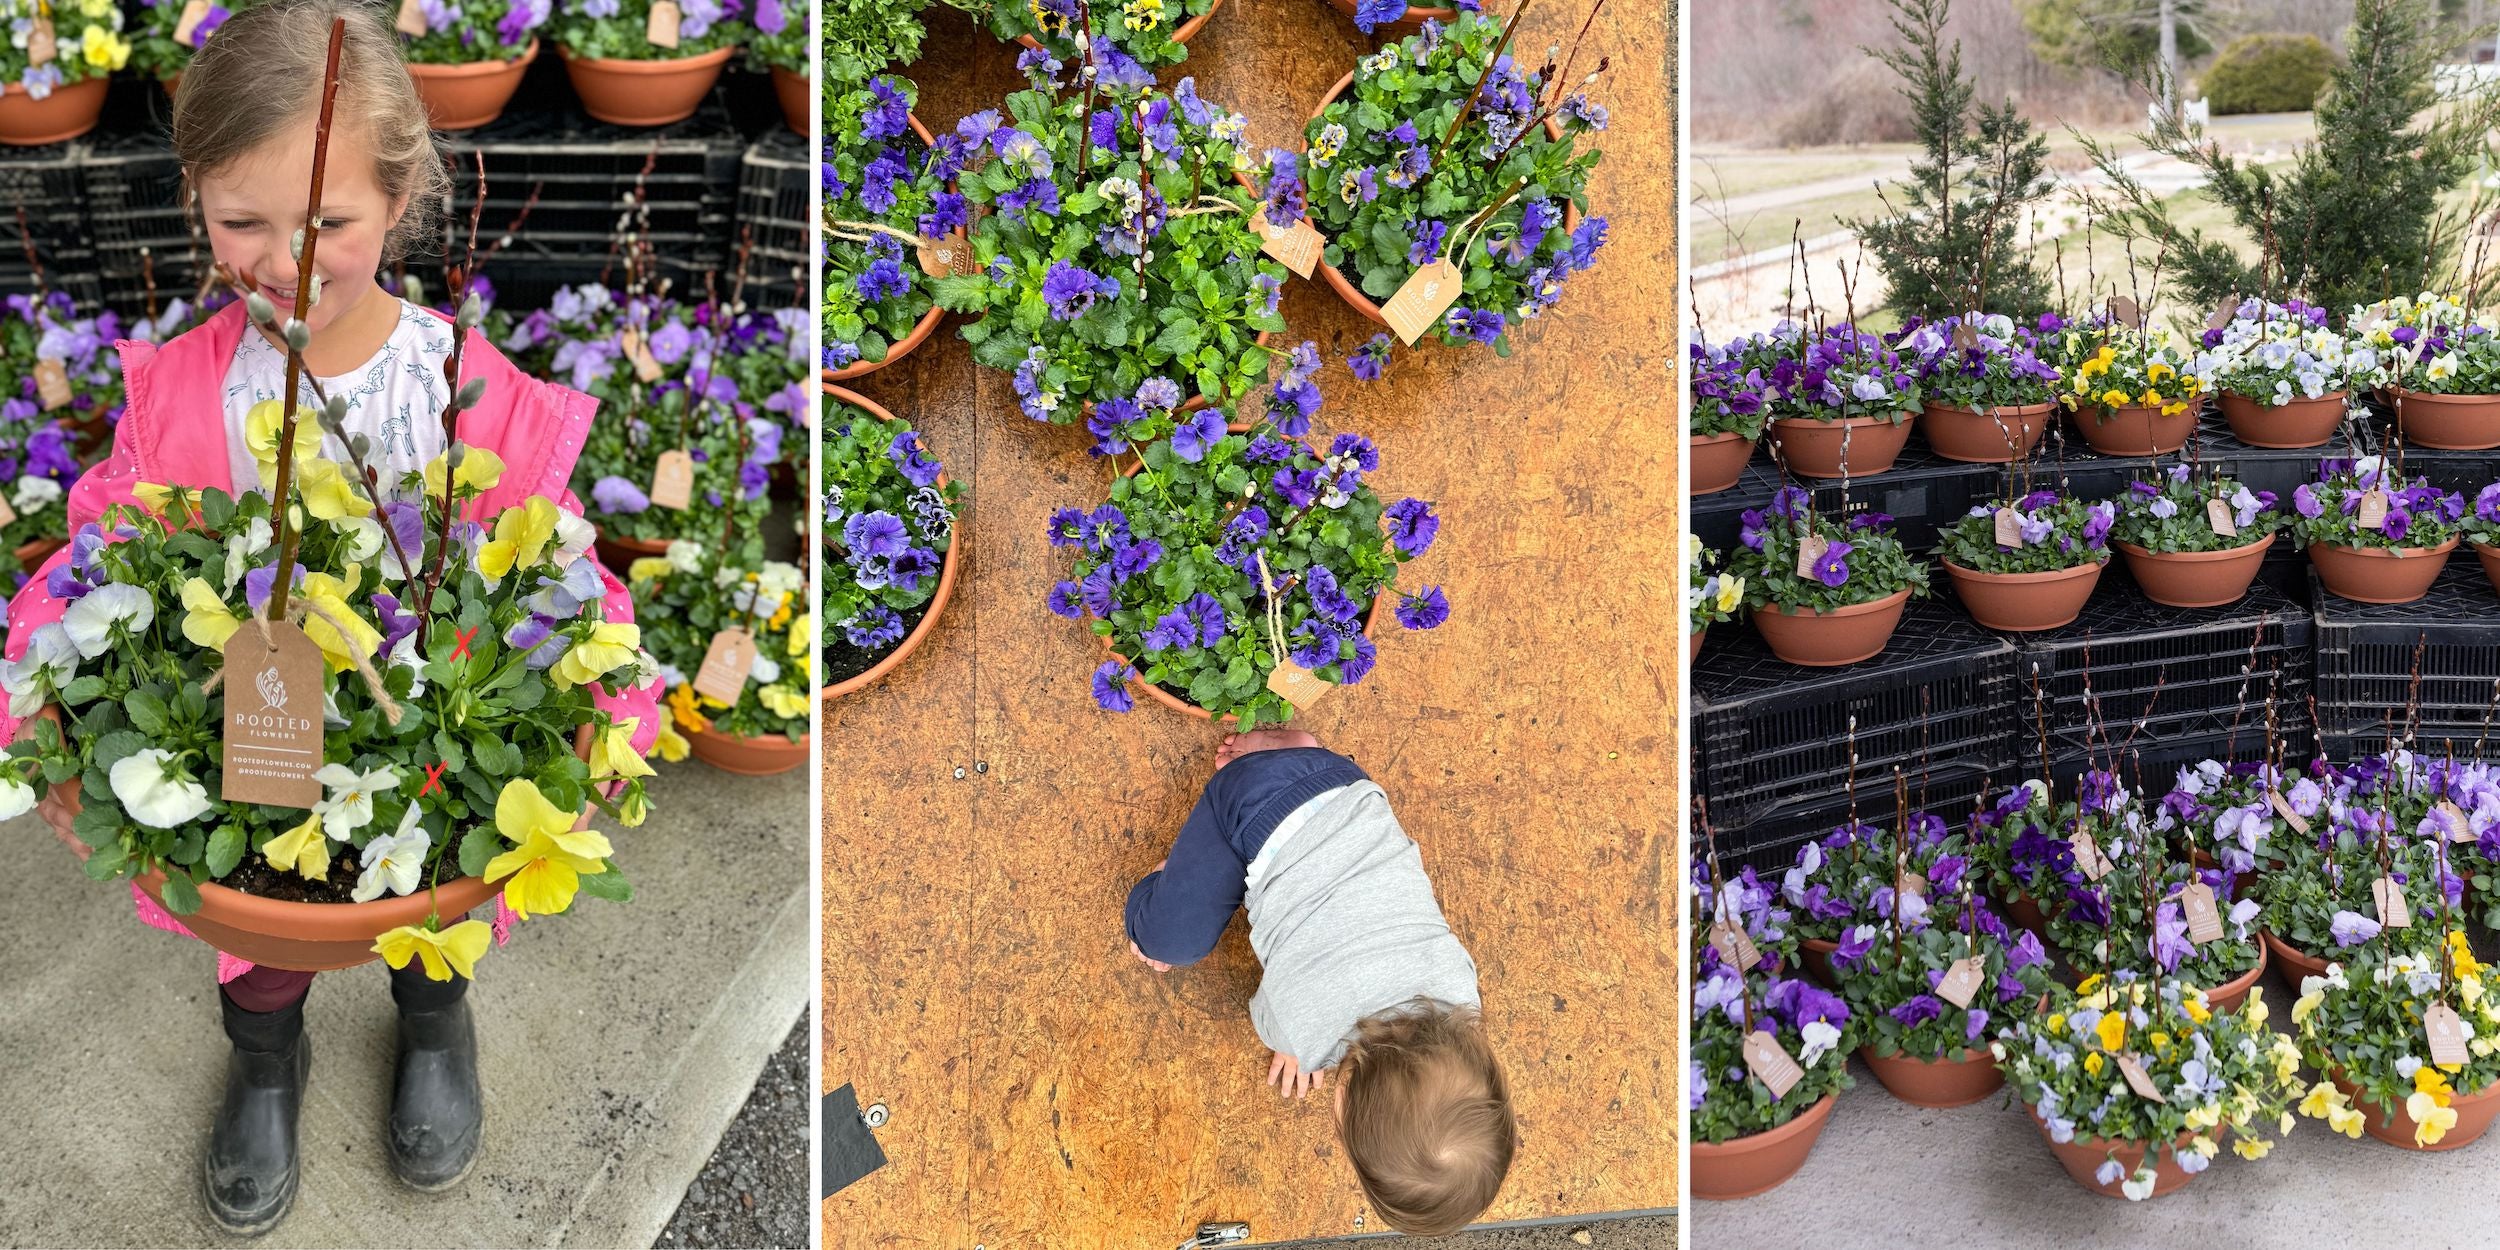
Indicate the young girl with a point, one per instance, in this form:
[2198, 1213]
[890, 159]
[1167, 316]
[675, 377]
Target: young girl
[244, 126]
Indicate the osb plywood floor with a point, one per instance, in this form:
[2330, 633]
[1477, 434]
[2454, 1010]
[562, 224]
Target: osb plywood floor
[983, 820]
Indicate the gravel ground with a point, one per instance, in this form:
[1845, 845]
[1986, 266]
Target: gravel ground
[754, 1192]
[1645, 1232]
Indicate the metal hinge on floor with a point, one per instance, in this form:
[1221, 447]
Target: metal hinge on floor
[1218, 1233]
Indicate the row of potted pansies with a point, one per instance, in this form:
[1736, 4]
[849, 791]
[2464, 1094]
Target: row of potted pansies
[467, 58]
[2114, 997]
[890, 520]
[2281, 376]
[1047, 205]
[1825, 592]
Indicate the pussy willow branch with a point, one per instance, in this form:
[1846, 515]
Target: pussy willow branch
[306, 278]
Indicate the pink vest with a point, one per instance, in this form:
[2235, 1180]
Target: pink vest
[174, 432]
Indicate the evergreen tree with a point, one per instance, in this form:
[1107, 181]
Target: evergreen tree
[1962, 209]
[2358, 210]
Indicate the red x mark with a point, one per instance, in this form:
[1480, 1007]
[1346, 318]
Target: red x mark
[433, 776]
[461, 652]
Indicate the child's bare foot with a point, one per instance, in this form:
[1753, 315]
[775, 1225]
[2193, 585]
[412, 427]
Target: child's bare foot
[1237, 745]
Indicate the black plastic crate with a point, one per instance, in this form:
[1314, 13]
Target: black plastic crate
[1768, 842]
[1921, 492]
[1767, 733]
[2365, 663]
[40, 212]
[777, 182]
[138, 216]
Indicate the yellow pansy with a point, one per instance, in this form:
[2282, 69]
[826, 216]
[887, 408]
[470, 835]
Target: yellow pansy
[2114, 398]
[2251, 1147]
[2427, 1080]
[2306, 1003]
[541, 872]
[104, 49]
[327, 491]
[261, 427]
[2090, 984]
[2161, 1041]
[671, 745]
[2254, 1010]
[2348, 1121]
[479, 469]
[612, 753]
[171, 502]
[207, 621]
[1731, 593]
[2461, 955]
[2322, 1099]
[800, 633]
[648, 567]
[455, 949]
[2093, 1063]
[2112, 1031]
[2431, 1118]
[681, 704]
[2204, 1117]
[783, 701]
[521, 537]
[2057, 1023]
[2195, 1008]
[2156, 371]
[331, 594]
[303, 849]
[609, 647]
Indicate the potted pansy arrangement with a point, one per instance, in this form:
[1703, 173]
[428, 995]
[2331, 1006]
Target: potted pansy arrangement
[890, 524]
[37, 468]
[2438, 366]
[1823, 593]
[2191, 541]
[887, 186]
[2132, 388]
[2225, 812]
[1712, 596]
[160, 46]
[1841, 402]
[2483, 530]
[1829, 882]
[2083, 1064]
[636, 67]
[689, 597]
[1239, 574]
[2406, 1038]
[1117, 254]
[1445, 168]
[1132, 36]
[2283, 379]
[2371, 540]
[1769, 1047]
[2017, 856]
[780, 46]
[60, 98]
[2357, 823]
[1987, 393]
[2141, 911]
[2028, 562]
[1726, 414]
[467, 56]
[86, 391]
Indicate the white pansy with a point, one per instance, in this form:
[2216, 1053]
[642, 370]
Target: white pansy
[404, 654]
[395, 860]
[764, 670]
[349, 806]
[779, 578]
[364, 536]
[94, 618]
[240, 548]
[16, 797]
[49, 659]
[1821, 1039]
[34, 491]
[155, 794]
[684, 556]
[574, 535]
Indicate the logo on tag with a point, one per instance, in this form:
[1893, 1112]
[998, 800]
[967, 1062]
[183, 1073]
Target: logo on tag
[1296, 685]
[2373, 509]
[1771, 1064]
[1735, 946]
[2445, 1033]
[2283, 808]
[726, 666]
[1297, 246]
[1960, 983]
[2390, 897]
[51, 383]
[2460, 829]
[2124, 311]
[1419, 303]
[411, 19]
[2204, 919]
[2222, 315]
[2088, 858]
[42, 45]
[2218, 515]
[2138, 1080]
[273, 722]
[1810, 549]
[2009, 528]
[949, 256]
[661, 30]
[672, 480]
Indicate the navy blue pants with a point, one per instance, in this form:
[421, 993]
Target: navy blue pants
[1176, 915]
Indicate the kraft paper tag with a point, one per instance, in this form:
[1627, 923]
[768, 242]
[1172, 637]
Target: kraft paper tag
[2088, 858]
[2218, 515]
[2223, 314]
[2009, 528]
[672, 480]
[1961, 982]
[1296, 685]
[646, 365]
[726, 666]
[1418, 304]
[411, 19]
[662, 30]
[51, 383]
[946, 257]
[2459, 828]
[1810, 549]
[42, 46]
[2369, 320]
[1735, 946]
[2373, 509]
[1907, 882]
[1297, 246]
[1770, 1064]
[1965, 338]
[2390, 897]
[2446, 1034]
[2204, 919]
[2132, 1068]
[2283, 808]
[8, 515]
[273, 723]
[2124, 311]
[193, 13]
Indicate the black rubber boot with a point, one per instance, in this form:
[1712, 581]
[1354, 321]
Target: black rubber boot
[251, 1169]
[437, 1107]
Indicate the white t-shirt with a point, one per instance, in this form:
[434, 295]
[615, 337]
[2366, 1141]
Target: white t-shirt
[396, 398]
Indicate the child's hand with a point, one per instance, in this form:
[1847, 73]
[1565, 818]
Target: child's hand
[1156, 964]
[1289, 1078]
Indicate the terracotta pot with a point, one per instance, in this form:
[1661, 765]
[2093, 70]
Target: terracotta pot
[921, 329]
[2229, 995]
[2082, 1159]
[2021, 602]
[1816, 955]
[1813, 448]
[2490, 556]
[643, 93]
[617, 551]
[1937, 1083]
[2296, 963]
[67, 113]
[2448, 422]
[1976, 438]
[791, 90]
[32, 555]
[1400, 27]
[1692, 647]
[301, 937]
[2196, 579]
[1760, 1162]
[1718, 460]
[173, 85]
[2300, 423]
[1191, 404]
[751, 757]
[1353, 295]
[2394, 1126]
[2135, 430]
[463, 97]
[1830, 639]
[937, 601]
[1188, 30]
[2380, 575]
[2024, 910]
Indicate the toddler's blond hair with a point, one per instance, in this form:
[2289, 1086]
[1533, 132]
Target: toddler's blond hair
[1427, 1119]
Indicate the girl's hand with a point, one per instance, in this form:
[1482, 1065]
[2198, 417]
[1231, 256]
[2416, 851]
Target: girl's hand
[1289, 1078]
